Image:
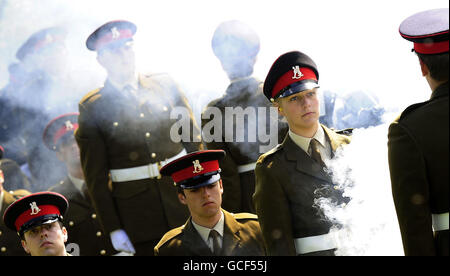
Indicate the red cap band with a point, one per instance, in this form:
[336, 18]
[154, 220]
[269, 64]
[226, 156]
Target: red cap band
[190, 172]
[111, 37]
[43, 210]
[291, 77]
[431, 48]
[60, 133]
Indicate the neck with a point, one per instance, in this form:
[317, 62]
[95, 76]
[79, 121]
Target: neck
[76, 171]
[119, 81]
[433, 83]
[208, 222]
[305, 132]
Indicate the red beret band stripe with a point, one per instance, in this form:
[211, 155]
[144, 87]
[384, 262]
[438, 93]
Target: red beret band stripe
[60, 133]
[431, 48]
[27, 215]
[288, 79]
[111, 37]
[187, 173]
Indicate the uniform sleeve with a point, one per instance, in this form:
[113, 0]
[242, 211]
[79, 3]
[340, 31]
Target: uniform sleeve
[273, 212]
[95, 168]
[410, 191]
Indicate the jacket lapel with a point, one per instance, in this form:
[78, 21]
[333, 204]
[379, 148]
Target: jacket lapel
[304, 163]
[231, 237]
[194, 243]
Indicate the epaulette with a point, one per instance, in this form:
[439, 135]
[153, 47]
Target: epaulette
[170, 235]
[411, 108]
[18, 194]
[347, 131]
[269, 153]
[239, 216]
[89, 95]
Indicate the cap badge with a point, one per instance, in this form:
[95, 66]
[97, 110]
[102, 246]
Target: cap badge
[197, 167]
[34, 208]
[115, 33]
[69, 125]
[297, 73]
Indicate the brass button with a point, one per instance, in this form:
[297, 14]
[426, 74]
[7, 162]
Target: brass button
[94, 216]
[142, 115]
[147, 135]
[0, 233]
[153, 155]
[3, 249]
[115, 124]
[71, 223]
[102, 252]
[99, 234]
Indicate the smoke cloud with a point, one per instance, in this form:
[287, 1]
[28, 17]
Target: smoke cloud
[370, 226]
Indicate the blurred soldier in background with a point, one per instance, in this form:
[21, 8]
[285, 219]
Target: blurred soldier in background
[418, 143]
[236, 45]
[81, 219]
[8, 239]
[125, 135]
[14, 177]
[357, 110]
[40, 93]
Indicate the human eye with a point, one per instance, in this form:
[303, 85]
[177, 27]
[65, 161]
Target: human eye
[293, 99]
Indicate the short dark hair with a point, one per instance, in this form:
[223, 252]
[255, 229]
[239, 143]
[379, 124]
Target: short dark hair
[437, 64]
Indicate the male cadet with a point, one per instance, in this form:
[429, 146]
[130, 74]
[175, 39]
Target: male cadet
[418, 143]
[125, 136]
[210, 231]
[290, 177]
[236, 45]
[37, 219]
[8, 239]
[82, 223]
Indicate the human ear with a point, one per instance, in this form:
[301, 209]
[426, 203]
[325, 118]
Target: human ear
[182, 198]
[25, 247]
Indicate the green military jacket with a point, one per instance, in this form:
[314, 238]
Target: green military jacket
[288, 181]
[242, 237]
[419, 164]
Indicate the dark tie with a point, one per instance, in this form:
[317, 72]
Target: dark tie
[315, 152]
[215, 237]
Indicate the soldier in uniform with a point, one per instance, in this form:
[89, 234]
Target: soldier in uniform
[236, 45]
[210, 231]
[81, 219]
[8, 239]
[125, 135]
[37, 219]
[418, 143]
[14, 178]
[31, 103]
[290, 177]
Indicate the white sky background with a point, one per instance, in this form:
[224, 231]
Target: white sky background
[355, 44]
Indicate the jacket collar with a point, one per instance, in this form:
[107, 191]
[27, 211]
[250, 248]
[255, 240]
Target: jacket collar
[440, 91]
[197, 246]
[305, 163]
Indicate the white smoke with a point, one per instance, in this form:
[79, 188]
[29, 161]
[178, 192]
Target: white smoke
[370, 226]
